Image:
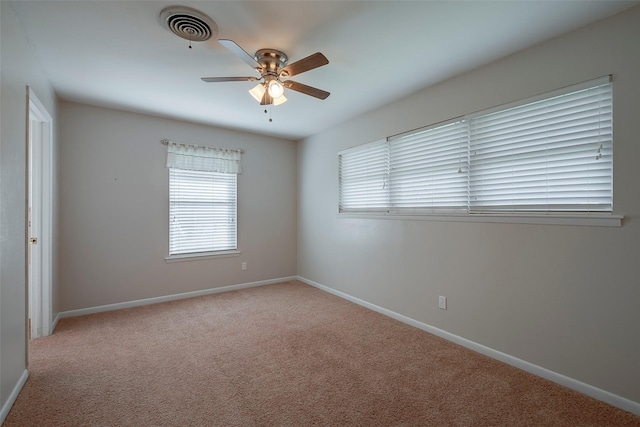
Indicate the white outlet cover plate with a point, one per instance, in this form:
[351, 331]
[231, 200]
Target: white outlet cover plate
[442, 302]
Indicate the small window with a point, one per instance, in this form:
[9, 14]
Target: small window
[202, 212]
[553, 153]
[364, 178]
[429, 168]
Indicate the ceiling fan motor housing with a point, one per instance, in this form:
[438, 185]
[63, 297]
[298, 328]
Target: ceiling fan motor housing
[271, 60]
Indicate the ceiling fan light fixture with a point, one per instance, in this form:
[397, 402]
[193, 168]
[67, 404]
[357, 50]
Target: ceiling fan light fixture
[279, 100]
[272, 65]
[276, 90]
[258, 92]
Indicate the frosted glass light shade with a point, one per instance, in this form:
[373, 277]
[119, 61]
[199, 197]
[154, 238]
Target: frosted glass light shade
[258, 92]
[279, 100]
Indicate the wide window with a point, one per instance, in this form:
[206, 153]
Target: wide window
[202, 200]
[548, 154]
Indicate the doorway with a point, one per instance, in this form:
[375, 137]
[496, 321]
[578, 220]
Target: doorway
[40, 218]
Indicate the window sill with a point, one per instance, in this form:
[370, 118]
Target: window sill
[201, 256]
[594, 220]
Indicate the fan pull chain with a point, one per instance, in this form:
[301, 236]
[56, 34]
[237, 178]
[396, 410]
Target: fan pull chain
[265, 111]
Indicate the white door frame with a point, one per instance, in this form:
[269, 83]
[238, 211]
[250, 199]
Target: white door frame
[40, 175]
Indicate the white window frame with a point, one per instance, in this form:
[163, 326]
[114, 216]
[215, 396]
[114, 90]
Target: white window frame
[439, 211]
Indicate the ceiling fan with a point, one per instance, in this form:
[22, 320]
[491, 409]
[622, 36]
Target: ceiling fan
[272, 66]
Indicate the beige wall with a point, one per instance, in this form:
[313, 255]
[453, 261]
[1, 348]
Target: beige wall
[20, 69]
[561, 297]
[114, 208]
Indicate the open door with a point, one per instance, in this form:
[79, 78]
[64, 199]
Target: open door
[39, 221]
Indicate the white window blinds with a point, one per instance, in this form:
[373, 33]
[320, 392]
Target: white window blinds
[429, 168]
[202, 211]
[551, 155]
[202, 199]
[364, 177]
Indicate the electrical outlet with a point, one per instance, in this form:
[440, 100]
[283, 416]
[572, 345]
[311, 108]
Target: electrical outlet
[442, 302]
[244, 266]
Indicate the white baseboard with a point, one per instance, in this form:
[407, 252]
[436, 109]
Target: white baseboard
[13, 396]
[54, 323]
[589, 390]
[156, 300]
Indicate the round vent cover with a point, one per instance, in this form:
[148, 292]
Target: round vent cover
[188, 23]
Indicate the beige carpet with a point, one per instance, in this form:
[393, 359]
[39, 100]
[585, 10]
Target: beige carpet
[279, 355]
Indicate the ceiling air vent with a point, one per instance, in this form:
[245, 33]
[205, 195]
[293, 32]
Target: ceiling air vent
[188, 23]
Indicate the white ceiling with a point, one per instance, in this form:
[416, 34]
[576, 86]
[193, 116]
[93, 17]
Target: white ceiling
[116, 53]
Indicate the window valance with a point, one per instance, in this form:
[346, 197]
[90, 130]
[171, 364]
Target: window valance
[206, 159]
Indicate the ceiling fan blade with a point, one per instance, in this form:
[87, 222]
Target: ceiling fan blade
[228, 79]
[307, 90]
[309, 63]
[241, 53]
